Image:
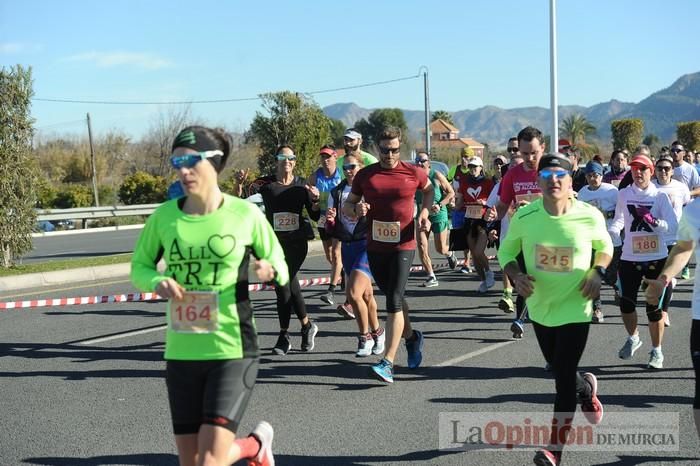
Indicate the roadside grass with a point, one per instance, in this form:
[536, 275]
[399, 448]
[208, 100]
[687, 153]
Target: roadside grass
[53, 266]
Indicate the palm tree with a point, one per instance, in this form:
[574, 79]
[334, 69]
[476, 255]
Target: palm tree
[575, 128]
[442, 115]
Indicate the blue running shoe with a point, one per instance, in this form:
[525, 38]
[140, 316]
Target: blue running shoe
[384, 371]
[414, 349]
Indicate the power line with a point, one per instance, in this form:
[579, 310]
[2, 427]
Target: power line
[217, 101]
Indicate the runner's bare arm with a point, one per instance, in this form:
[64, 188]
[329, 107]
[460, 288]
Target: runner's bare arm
[448, 191]
[679, 256]
[590, 285]
[496, 212]
[523, 282]
[349, 205]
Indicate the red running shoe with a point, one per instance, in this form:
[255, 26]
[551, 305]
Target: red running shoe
[592, 409]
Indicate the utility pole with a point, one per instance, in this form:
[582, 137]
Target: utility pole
[92, 161]
[426, 94]
[554, 139]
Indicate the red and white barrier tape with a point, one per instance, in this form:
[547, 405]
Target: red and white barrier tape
[140, 297]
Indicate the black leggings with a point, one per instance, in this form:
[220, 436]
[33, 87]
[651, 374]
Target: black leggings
[562, 348]
[390, 272]
[631, 274]
[289, 296]
[695, 355]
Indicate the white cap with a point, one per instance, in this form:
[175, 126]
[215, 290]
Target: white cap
[352, 134]
[475, 161]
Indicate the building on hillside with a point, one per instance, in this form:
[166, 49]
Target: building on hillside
[444, 137]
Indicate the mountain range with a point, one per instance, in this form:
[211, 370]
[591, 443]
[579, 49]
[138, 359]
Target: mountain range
[493, 125]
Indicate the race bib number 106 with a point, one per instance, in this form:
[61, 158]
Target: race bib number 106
[386, 232]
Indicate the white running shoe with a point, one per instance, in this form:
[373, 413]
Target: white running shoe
[656, 359]
[264, 433]
[365, 344]
[379, 338]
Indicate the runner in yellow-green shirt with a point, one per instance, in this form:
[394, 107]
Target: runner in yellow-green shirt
[206, 239]
[557, 235]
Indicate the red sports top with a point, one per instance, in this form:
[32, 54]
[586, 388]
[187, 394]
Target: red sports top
[390, 192]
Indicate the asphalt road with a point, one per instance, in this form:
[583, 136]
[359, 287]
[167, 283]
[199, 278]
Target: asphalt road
[79, 389]
[80, 245]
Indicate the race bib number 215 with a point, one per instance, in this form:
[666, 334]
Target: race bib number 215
[554, 259]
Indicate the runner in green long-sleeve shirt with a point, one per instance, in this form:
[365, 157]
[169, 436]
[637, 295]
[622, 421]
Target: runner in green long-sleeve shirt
[205, 239]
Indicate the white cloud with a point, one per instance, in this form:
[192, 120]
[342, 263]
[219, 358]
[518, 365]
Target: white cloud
[110, 59]
[8, 48]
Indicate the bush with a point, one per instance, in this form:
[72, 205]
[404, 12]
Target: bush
[73, 195]
[143, 188]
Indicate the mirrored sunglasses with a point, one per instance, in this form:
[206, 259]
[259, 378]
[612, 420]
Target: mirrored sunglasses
[190, 160]
[350, 166]
[281, 157]
[551, 174]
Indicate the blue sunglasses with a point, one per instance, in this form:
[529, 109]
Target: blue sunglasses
[190, 160]
[550, 174]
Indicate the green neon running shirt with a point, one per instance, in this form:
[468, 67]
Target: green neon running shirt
[557, 252]
[209, 253]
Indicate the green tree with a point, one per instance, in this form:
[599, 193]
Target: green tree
[143, 188]
[378, 120]
[575, 128]
[627, 133]
[653, 141]
[442, 115]
[689, 134]
[18, 167]
[291, 118]
[337, 129]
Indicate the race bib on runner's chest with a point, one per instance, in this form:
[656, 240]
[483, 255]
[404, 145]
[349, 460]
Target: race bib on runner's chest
[473, 211]
[285, 221]
[196, 312]
[554, 259]
[645, 244]
[386, 232]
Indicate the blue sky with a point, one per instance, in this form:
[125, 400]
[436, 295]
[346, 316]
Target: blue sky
[478, 53]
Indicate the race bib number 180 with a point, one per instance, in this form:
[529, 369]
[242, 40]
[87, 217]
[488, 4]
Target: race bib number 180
[196, 312]
[386, 232]
[554, 259]
[645, 244]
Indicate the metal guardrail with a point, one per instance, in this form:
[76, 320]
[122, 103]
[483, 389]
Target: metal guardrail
[86, 213]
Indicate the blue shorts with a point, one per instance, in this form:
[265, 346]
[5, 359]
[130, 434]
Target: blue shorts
[354, 256]
[457, 219]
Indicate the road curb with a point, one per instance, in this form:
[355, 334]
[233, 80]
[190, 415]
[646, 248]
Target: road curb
[84, 274]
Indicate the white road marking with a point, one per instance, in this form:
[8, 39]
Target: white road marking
[122, 335]
[464, 357]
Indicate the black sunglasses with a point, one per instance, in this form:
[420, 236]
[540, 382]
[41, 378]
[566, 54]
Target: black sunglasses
[513, 149]
[422, 161]
[677, 150]
[664, 168]
[387, 150]
[350, 166]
